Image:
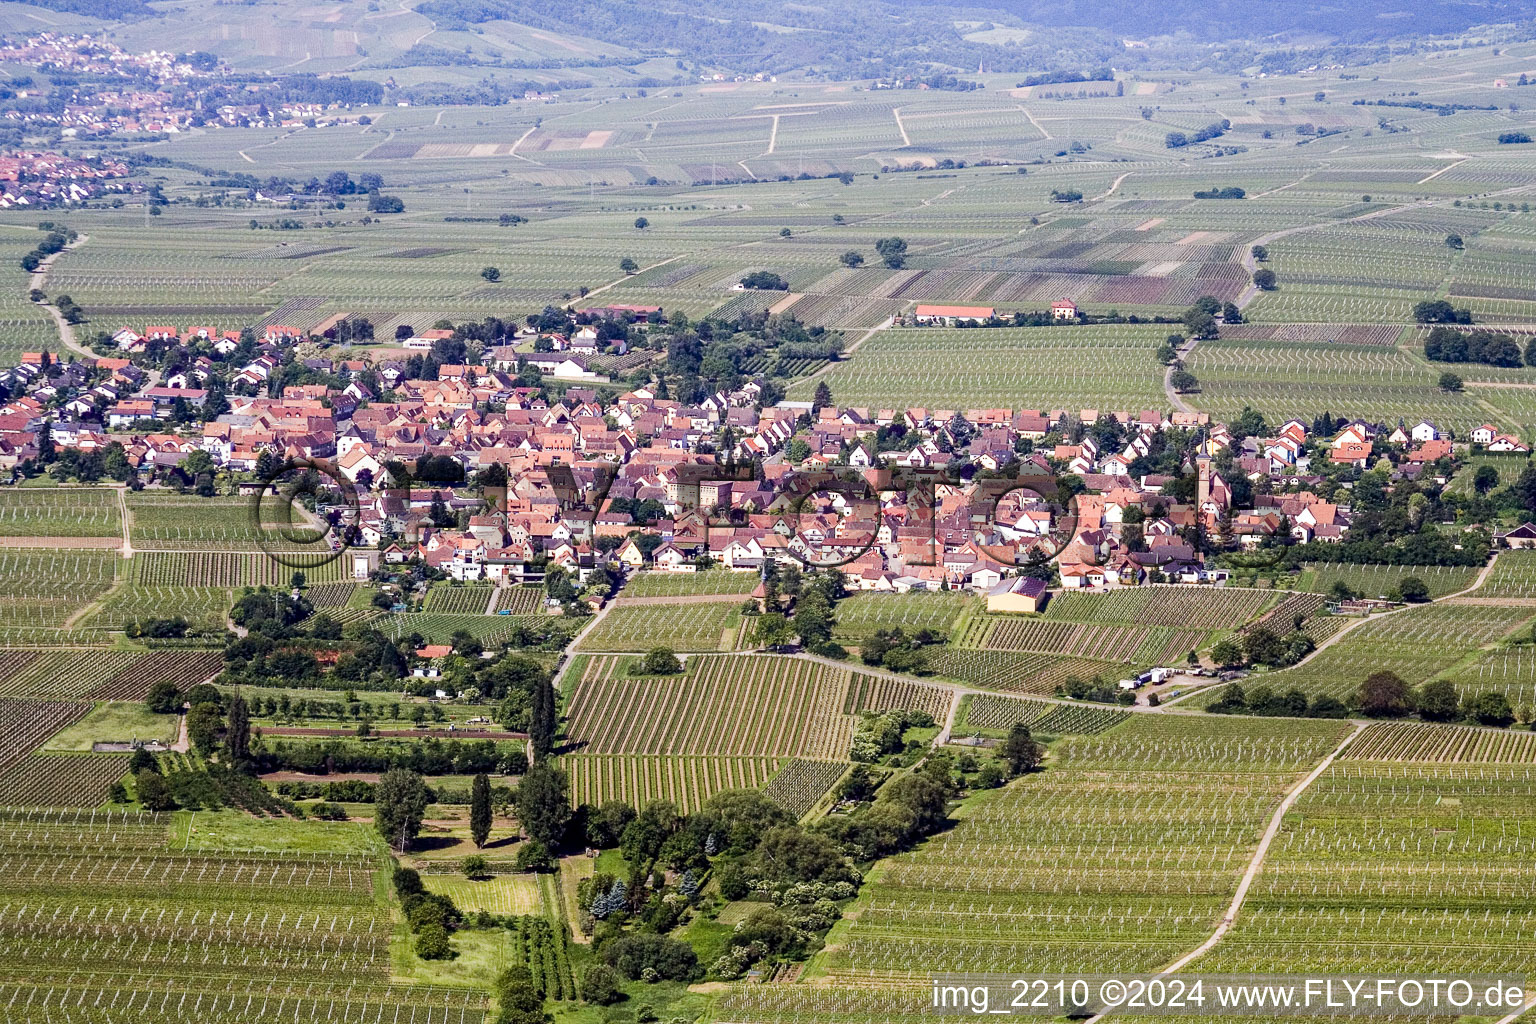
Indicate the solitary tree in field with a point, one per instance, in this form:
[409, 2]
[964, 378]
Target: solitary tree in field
[1438, 701]
[542, 805]
[399, 803]
[1453, 241]
[1384, 695]
[1451, 383]
[641, 223]
[491, 274]
[822, 396]
[628, 265]
[237, 733]
[1183, 381]
[1020, 750]
[541, 718]
[660, 661]
[852, 258]
[893, 251]
[774, 630]
[1264, 279]
[1227, 653]
[480, 810]
[1260, 253]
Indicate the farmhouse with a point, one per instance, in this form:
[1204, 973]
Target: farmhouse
[1522, 537]
[948, 316]
[1064, 309]
[1023, 594]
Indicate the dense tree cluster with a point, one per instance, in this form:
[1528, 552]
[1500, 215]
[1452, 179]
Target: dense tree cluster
[1449, 345]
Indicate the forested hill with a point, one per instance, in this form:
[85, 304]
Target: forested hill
[885, 36]
[1356, 21]
[776, 35]
[107, 10]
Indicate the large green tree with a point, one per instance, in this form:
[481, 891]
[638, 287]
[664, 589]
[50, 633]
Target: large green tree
[237, 734]
[542, 804]
[399, 804]
[480, 810]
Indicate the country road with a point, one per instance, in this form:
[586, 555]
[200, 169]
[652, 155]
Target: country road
[39, 281]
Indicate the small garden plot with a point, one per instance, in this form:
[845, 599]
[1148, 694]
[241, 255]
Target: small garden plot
[185, 668]
[225, 569]
[67, 673]
[25, 724]
[452, 599]
[994, 712]
[1189, 607]
[1513, 576]
[1417, 644]
[801, 783]
[1376, 580]
[1017, 671]
[882, 693]
[1416, 741]
[502, 894]
[1282, 617]
[182, 522]
[330, 595]
[61, 780]
[739, 705]
[1409, 866]
[861, 615]
[651, 583]
[638, 779]
[40, 588]
[439, 629]
[1103, 642]
[202, 607]
[520, 600]
[1508, 670]
[59, 512]
[692, 627]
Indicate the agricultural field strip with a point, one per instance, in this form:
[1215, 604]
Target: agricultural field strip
[687, 781]
[1415, 865]
[1034, 878]
[706, 710]
[160, 925]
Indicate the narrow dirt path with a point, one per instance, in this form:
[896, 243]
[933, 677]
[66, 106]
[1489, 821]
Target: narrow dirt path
[127, 518]
[1257, 862]
[39, 280]
[950, 714]
[1038, 126]
[905, 139]
[602, 288]
[1174, 398]
[850, 350]
[1113, 188]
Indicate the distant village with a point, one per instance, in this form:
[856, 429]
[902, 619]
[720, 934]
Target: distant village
[161, 92]
[1147, 496]
[42, 180]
